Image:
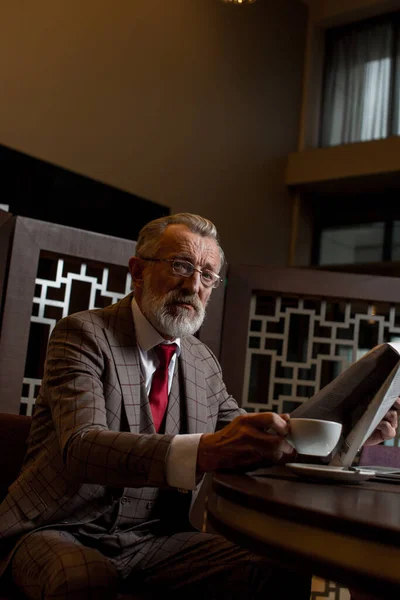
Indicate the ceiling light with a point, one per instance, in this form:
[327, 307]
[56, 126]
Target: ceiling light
[239, 1]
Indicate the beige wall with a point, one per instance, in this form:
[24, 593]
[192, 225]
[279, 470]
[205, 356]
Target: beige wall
[190, 103]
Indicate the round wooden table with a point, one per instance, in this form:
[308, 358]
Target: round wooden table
[345, 533]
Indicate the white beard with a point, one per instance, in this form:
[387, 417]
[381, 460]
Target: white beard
[170, 319]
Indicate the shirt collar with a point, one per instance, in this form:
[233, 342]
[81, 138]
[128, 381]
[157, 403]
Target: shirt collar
[146, 336]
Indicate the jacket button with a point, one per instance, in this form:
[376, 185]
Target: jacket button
[149, 505]
[124, 500]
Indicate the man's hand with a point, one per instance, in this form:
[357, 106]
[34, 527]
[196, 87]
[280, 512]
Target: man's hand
[246, 442]
[386, 430]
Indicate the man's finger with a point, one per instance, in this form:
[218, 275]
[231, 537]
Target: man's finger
[277, 443]
[386, 430]
[268, 420]
[392, 418]
[270, 438]
[396, 405]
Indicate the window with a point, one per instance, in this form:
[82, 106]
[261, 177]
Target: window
[361, 82]
[356, 230]
[396, 241]
[352, 244]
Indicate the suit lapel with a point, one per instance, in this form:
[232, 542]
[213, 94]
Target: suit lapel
[120, 333]
[194, 391]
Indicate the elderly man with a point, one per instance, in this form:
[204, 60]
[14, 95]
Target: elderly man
[132, 412]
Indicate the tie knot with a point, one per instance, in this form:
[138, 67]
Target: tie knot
[164, 353]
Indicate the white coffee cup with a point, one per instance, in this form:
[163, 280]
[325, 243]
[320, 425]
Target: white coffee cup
[314, 437]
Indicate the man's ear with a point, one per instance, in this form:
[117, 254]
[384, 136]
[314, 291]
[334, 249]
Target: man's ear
[136, 268]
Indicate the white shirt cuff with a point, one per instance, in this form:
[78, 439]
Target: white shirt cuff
[182, 461]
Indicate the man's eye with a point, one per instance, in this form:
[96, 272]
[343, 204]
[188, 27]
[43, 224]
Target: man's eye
[209, 275]
[182, 265]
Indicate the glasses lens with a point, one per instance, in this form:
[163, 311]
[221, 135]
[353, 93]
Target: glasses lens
[209, 278]
[185, 269]
[182, 267]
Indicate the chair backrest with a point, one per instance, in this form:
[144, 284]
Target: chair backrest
[383, 456]
[14, 432]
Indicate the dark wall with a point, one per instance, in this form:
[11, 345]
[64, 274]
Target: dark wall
[40, 190]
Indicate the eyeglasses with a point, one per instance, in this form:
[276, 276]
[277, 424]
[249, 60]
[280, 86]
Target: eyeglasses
[184, 268]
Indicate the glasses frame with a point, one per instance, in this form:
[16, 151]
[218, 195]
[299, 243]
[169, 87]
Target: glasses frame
[214, 285]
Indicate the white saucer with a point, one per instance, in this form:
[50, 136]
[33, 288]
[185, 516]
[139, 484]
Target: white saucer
[330, 472]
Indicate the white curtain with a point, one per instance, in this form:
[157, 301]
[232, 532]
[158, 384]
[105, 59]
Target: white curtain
[360, 73]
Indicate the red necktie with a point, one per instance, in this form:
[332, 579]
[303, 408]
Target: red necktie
[158, 396]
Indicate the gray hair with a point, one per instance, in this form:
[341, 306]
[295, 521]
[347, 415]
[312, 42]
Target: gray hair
[149, 236]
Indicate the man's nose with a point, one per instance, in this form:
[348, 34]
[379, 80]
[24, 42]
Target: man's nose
[192, 283]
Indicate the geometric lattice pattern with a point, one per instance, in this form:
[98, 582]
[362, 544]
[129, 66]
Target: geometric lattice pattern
[296, 346]
[328, 590]
[64, 286]
[64, 280]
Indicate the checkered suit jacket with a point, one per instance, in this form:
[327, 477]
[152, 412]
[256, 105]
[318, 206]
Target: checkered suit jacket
[92, 432]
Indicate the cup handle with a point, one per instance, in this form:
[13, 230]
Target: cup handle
[289, 441]
[286, 437]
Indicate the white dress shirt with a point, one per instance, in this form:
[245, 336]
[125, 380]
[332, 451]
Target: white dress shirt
[182, 455]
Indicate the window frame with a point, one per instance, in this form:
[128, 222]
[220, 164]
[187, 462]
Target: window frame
[331, 35]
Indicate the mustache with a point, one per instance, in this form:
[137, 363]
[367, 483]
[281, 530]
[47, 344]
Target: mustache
[177, 296]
